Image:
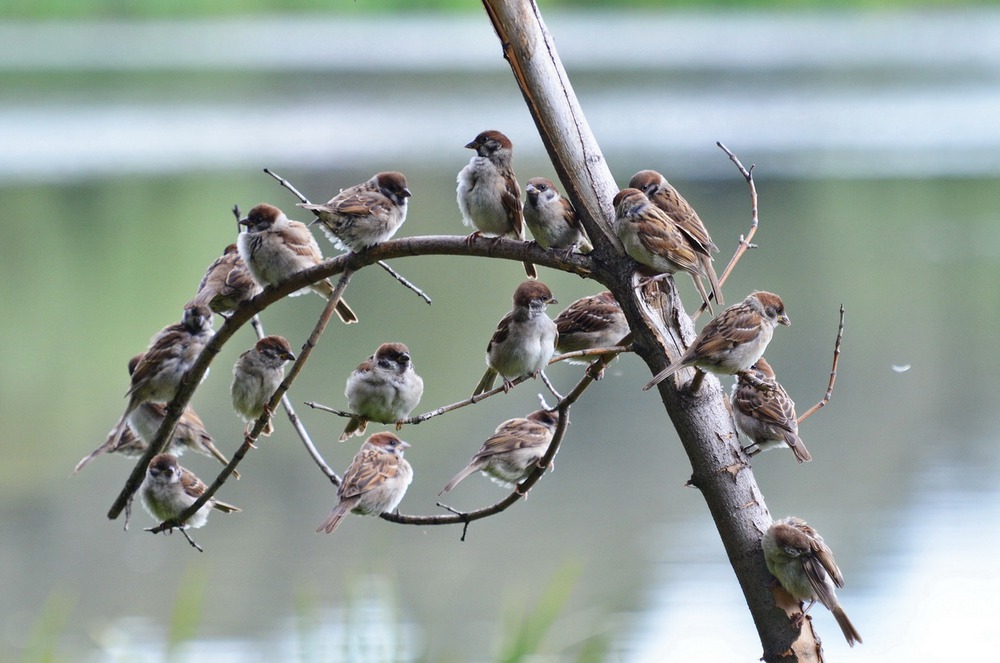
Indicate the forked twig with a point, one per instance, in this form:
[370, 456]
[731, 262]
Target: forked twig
[744, 241]
[183, 531]
[381, 263]
[833, 372]
[251, 437]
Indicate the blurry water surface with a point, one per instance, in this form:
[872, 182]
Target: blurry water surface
[125, 145]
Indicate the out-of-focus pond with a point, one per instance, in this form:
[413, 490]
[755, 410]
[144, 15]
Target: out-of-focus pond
[125, 146]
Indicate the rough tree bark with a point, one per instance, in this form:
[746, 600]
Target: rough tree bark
[720, 470]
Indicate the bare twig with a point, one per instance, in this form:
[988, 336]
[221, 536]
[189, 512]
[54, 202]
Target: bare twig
[393, 273]
[251, 437]
[297, 423]
[520, 490]
[187, 536]
[833, 371]
[744, 241]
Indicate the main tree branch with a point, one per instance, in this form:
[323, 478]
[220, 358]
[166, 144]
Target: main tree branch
[702, 421]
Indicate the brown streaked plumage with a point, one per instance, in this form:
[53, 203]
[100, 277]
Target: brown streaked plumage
[365, 214]
[766, 415]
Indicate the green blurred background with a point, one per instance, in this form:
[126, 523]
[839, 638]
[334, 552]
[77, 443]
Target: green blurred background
[130, 131]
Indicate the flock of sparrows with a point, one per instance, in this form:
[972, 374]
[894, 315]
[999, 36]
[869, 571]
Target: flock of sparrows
[657, 228]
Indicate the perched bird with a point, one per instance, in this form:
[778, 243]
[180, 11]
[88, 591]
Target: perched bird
[654, 240]
[797, 556]
[383, 388]
[256, 376]
[141, 428]
[510, 454]
[171, 354]
[374, 483]
[595, 321]
[766, 414]
[227, 283]
[662, 194]
[551, 218]
[275, 248]
[365, 214]
[733, 340]
[488, 194]
[169, 489]
[525, 339]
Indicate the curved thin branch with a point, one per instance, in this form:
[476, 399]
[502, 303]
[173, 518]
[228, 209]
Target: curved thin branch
[833, 372]
[250, 438]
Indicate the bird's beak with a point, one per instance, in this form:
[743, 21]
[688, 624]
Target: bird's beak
[405, 193]
[530, 188]
[245, 221]
[783, 320]
[404, 445]
[472, 146]
[288, 356]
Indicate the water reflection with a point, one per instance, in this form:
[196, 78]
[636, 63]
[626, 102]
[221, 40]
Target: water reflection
[122, 180]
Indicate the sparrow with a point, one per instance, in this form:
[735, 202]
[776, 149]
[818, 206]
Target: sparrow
[511, 453]
[383, 388]
[733, 340]
[374, 483]
[551, 218]
[169, 489]
[275, 248]
[257, 374]
[595, 321]
[227, 283]
[365, 214]
[654, 240]
[171, 354]
[662, 194]
[488, 194]
[525, 339]
[141, 428]
[766, 415]
[797, 556]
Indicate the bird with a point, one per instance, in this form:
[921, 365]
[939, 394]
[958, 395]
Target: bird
[227, 283]
[797, 556]
[142, 426]
[170, 355]
[765, 413]
[552, 220]
[663, 194]
[365, 214]
[594, 321]
[654, 240]
[257, 374]
[733, 340]
[488, 194]
[525, 338]
[169, 489]
[275, 248]
[511, 453]
[374, 483]
[383, 388]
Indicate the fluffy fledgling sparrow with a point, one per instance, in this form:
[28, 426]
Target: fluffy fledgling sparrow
[525, 338]
[488, 194]
[654, 240]
[797, 556]
[733, 340]
[374, 483]
[551, 218]
[510, 454]
[383, 388]
[256, 376]
[141, 428]
[171, 354]
[274, 248]
[766, 415]
[595, 321]
[227, 283]
[169, 489]
[662, 194]
[365, 214]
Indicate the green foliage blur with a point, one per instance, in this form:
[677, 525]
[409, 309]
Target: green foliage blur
[137, 9]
